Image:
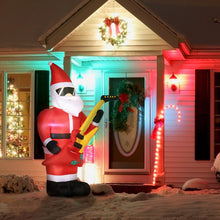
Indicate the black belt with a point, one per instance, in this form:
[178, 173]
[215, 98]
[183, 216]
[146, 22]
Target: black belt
[60, 136]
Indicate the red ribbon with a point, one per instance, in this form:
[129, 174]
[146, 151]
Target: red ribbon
[116, 21]
[123, 97]
[159, 122]
[108, 22]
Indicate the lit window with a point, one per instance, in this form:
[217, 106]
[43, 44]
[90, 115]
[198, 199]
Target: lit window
[15, 112]
[1, 86]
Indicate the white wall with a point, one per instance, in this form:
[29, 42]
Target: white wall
[179, 146]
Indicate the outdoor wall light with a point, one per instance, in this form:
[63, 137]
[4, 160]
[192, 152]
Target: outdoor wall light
[174, 82]
[81, 84]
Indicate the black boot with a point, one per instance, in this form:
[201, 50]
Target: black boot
[68, 189]
[80, 188]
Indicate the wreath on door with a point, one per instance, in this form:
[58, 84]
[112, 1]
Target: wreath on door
[130, 95]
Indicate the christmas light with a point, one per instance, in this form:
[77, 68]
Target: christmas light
[173, 82]
[89, 153]
[159, 122]
[88, 172]
[15, 138]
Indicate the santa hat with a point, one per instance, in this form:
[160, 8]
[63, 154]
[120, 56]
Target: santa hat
[59, 77]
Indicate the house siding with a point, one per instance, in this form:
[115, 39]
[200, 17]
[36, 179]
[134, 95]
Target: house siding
[179, 143]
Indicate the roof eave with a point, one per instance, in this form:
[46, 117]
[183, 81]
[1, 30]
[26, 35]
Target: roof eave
[153, 22]
[84, 10]
[88, 7]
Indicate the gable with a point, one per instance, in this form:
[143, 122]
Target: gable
[84, 38]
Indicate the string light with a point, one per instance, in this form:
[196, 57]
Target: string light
[159, 139]
[15, 137]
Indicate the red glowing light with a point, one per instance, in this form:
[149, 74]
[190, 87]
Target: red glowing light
[159, 137]
[173, 82]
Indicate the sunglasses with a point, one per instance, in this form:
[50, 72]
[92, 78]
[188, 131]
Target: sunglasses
[65, 90]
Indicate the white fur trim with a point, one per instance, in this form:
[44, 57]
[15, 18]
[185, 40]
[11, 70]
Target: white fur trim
[60, 85]
[47, 141]
[71, 123]
[61, 178]
[50, 63]
[95, 124]
[46, 151]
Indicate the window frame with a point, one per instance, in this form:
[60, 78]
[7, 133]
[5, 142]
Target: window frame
[202, 115]
[4, 122]
[212, 112]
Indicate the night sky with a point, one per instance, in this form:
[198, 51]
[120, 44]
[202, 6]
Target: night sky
[23, 21]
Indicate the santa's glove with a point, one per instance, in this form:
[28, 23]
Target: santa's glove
[53, 147]
[98, 116]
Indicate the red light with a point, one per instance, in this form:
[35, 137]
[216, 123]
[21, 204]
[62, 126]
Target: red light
[158, 143]
[173, 82]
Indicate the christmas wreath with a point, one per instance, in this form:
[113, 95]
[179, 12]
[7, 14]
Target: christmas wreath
[120, 29]
[130, 95]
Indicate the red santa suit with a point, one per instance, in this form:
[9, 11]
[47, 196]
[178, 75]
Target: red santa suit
[57, 128]
[55, 124]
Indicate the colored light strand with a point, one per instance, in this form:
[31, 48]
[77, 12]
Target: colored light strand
[159, 139]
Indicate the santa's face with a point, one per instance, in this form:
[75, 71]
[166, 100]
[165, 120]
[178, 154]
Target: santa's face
[66, 99]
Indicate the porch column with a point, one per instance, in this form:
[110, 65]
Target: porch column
[160, 105]
[67, 64]
[160, 83]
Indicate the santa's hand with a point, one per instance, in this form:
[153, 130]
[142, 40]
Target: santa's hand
[53, 147]
[98, 116]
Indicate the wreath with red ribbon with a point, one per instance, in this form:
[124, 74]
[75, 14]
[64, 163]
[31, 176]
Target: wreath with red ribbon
[120, 29]
[130, 95]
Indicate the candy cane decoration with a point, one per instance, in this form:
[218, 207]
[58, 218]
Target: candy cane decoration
[156, 134]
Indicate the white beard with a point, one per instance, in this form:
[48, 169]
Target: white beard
[72, 105]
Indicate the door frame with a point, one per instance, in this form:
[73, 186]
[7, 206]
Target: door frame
[127, 175]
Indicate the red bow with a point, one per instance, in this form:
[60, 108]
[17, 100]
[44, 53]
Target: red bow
[116, 21]
[159, 122]
[123, 97]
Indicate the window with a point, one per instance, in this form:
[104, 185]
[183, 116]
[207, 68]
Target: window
[15, 112]
[202, 114]
[1, 86]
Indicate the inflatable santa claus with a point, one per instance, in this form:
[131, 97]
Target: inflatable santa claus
[58, 128]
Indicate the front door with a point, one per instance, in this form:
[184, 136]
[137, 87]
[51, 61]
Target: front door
[127, 128]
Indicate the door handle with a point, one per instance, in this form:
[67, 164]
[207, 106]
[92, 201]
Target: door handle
[106, 123]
